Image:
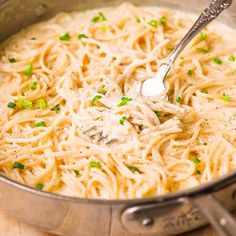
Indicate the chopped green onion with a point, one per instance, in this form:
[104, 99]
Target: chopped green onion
[40, 124]
[163, 20]
[95, 164]
[12, 59]
[19, 103]
[138, 20]
[204, 91]
[190, 72]
[196, 160]
[29, 70]
[203, 36]
[26, 104]
[133, 169]
[76, 172]
[153, 23]
[218, 61]
[80, 36]
[122, 120]
[65, 37]
[33, 85]
[18, 165]
[99, 17]
[96, 98]
[124, 101]
[158, 114]
[39, 186]
[42, 104]
[102, 89]
[22, 94]
[103, 27]
[179, 100]
[95, 19]
[202, 50]
[102, 17]
[231, 58]
[11, 105]
[198, 172]
[225, 97]
[57, 108]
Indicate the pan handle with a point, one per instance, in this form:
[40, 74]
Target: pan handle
[217, 215]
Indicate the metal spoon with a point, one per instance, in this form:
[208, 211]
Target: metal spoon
[155, 86]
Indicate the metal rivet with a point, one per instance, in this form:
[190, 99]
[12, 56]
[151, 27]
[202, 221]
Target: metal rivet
[146, 222]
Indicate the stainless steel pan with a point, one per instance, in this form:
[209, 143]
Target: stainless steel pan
[166, 215]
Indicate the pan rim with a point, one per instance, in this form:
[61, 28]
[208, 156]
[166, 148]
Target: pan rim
[209, 187]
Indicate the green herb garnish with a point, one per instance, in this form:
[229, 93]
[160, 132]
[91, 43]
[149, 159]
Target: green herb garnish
[40, 124]
[133, 169]
[225, 97]
[179, 100]
[103, 27]
[29, 70]
[76, 172]
[158, 114]
[33, 85]
[18, 165]
[96, 98]
[95, 19]
[218, 61]
[138, 20]
[122, 120]
[19, 103]
[231, 58]
[203, 36]
[25, 104]
[65, 37]
[100, 17]
[42, 104]
[204, 91]
[80, 36]
[163, 20]
[57, 108]
[102, 89]
[95, 164]
[39, 186]
[190, 72]
[196, 160]
[198, 172]
[12, 59]
[124, 101]
[11, 105]
[153, 23]
[202, 50]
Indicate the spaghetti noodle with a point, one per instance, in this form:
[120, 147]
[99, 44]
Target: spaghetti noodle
[72, 123]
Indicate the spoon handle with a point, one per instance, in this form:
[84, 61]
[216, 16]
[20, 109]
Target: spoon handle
[208, 15]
